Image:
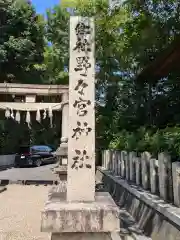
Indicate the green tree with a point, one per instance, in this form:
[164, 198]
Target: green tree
[21, 42]
[128, 37]
[56, 55]
[108, 51]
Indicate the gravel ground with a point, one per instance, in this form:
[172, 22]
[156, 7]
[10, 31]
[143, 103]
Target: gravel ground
[20, 208]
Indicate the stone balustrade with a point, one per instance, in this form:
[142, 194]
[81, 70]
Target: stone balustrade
[160, 176]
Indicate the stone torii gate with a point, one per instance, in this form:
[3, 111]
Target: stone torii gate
[28, 97]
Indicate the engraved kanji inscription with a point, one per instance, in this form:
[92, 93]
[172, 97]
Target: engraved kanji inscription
[79, 160]
[82, 32]
[81, 106]
[82, 65]
[82, 45]
[82, 29]
[82, 128]
[81, 85]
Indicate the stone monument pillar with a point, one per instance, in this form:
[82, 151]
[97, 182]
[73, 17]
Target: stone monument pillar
[81, 213]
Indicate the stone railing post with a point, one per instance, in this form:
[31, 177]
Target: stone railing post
[153, 175]
[105, 159]
[132, 156]
[103, 155]
[123, 153]
[165, 176]
[138, 170]
[126, 159]
[114, 161]
[118, 157]
[111, 160]
[176, 182]
[108, 159]
[145, 158]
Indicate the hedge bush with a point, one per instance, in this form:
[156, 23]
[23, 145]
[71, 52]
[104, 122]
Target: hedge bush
[151, 140]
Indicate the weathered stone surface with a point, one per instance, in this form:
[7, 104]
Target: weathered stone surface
[98, 216]
[81, 236]
[165, 176]
[145, 157]
[122, 164]
[118, 159]
[161, 220]
[108, 155]
[138, 170]
[127, 168]
[127, 193]
[153, 175]
[114, 162]
[103, 159]
[164, 230]
[176, 182]
[81, 140]
[132, 156]
[110, 160]
[58, 192]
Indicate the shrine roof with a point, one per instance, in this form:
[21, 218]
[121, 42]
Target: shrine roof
[166, 62]
[34, 89]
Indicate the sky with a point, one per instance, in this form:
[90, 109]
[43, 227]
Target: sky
[42, 5]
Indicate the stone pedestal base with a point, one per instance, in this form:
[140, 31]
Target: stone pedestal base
[81, 236]
[61, 216]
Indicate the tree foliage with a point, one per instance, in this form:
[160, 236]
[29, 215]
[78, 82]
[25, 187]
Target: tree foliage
[21, 41]
[136, 115]
[56, 54]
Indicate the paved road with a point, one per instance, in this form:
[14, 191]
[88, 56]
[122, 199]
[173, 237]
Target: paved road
[34, 173]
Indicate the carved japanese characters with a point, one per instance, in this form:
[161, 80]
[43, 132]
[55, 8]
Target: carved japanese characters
[80, 159]
[82, 43]
[82, 65]
[81, 141]
[80, 87]
[82, 128]
[81, 105]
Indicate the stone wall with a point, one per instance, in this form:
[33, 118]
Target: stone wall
[144, 214]
[6, 160]
[159, 176]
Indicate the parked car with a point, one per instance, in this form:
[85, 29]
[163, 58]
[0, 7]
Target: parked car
[34, 155]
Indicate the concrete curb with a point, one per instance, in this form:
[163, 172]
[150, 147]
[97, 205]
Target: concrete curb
[4, 182]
